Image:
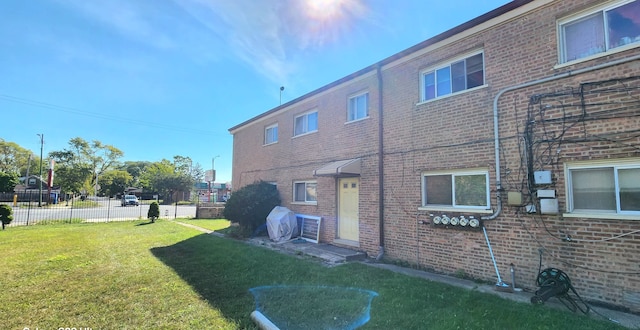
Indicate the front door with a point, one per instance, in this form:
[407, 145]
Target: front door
[348, 228]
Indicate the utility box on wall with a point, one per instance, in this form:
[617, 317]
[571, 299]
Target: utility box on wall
[514, 198]
[549, 205]
[542, 177]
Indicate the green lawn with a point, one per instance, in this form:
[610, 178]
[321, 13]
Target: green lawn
[136, 275]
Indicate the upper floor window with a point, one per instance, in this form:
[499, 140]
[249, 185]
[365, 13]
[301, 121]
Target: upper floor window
[358, 107]
[453, 77]
[600, 30]
[306, 123]
[305, 192]
[604, 188]
[464, 189]
[271, 134]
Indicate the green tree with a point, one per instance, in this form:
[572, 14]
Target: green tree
[16, 159]
[154, 212]
[114, 182]
[135, 168]
[72, 179]
[83, 163]
[250, 205]
[8, 181]
[164, 178]
[6, 215]
[197, 173]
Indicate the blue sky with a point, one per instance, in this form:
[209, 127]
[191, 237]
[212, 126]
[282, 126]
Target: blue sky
[159, 78]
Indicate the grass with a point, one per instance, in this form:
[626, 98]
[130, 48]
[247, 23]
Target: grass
[138, 275]
[83, 204]
[58, 221]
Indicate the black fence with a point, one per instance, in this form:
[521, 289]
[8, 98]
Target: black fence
[28, 209]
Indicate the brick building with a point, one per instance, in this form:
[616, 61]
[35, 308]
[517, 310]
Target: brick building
[523, 123]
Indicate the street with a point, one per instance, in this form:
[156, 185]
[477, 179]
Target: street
[107, 210]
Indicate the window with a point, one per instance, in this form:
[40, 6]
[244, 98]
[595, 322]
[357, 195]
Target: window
[604, 188]
[599, 31]
[453, 77]
[456, 189]
[304, 192]
[271, 134]
[358, 107]
[306, 123]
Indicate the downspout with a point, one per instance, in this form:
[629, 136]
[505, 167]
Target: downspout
[527, 84]
[380, 165]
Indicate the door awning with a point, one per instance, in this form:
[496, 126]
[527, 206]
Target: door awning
[341, 167]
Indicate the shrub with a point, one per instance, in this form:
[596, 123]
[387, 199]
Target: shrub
[250, 205]
[6, 215]
[154, 212]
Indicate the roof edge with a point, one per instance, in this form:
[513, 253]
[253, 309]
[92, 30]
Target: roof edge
[435, 39]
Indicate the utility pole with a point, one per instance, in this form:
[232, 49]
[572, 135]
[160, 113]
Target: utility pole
[213, 179]
[40, 190]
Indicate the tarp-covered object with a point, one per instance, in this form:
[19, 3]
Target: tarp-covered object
[281, 224]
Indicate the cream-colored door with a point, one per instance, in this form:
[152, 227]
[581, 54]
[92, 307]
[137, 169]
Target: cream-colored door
[348, 227]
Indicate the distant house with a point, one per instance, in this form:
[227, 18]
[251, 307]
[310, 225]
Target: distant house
[32, 184]
[523, 122]
[29, 188]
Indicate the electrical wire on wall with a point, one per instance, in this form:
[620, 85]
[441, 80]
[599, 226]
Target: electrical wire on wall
[564, 120]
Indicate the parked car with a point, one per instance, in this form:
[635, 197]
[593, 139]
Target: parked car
[130, 200]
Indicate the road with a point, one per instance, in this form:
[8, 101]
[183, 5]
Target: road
[108, 210]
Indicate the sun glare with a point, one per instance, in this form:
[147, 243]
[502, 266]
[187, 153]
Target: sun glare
[325, 10]
[326, 21]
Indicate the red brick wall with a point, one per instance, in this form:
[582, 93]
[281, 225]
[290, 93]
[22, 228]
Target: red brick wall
[296, 158]
[457, 133]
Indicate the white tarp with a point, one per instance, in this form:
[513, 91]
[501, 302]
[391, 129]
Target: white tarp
[281, 224]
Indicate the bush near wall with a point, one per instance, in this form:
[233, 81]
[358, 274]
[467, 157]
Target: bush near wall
[250, 206]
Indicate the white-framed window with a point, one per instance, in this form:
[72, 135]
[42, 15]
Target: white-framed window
[271, 134]
[306, 123]
[453, 77]
[599, 30]
[606, 187]
[358, 107]
[305, 192]
[459, 189]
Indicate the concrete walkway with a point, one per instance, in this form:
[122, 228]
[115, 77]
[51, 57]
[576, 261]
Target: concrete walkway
[332, 255]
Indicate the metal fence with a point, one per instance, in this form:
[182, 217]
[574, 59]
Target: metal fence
[92, 209]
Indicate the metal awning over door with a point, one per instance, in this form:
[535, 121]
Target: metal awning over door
[348, 167]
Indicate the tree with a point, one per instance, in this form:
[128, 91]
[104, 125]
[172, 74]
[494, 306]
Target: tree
[81, 165]
[114, 182]
[251, 204]
[197, 173]
[16, 159]
[154, 212]
[72, 179]
[163, 177]
[135, 168]
[6, 215]
[8, 181]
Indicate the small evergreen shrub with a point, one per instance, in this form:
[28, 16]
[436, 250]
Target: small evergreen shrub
[250, 205]
[154, 212]
[6, 215]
